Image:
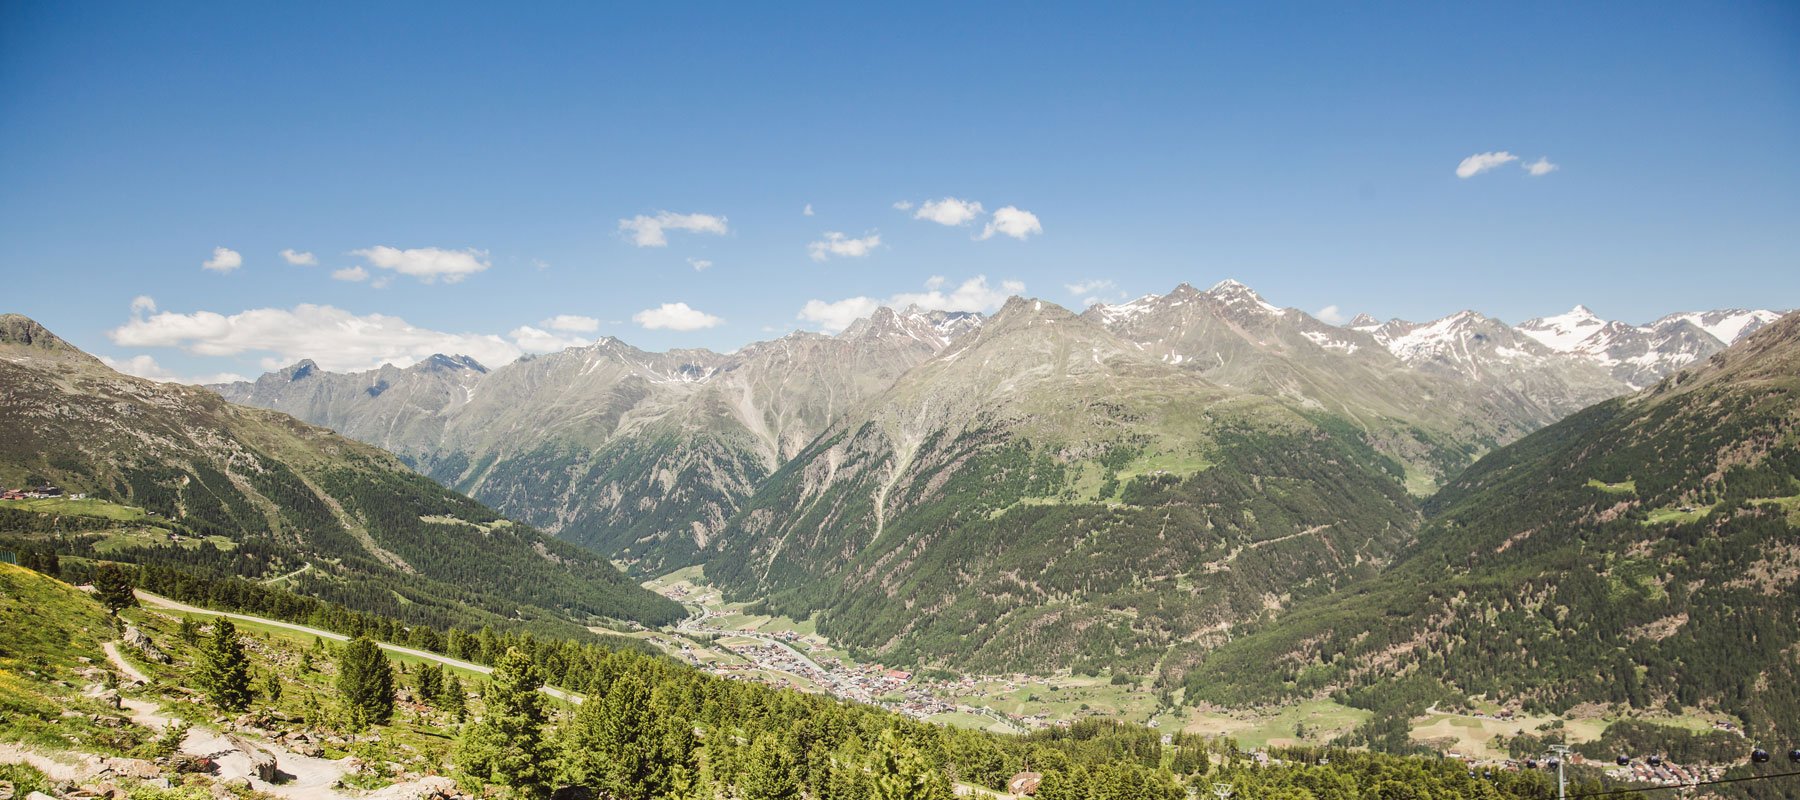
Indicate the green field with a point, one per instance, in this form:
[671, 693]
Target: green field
[1677, 514]
[78, 508]
[1622, 487]
[117, 539]
[1323, 720]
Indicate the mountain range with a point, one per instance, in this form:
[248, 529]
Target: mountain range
[646, 456]
[1242, 500]
[1244, 457]
[178, 477]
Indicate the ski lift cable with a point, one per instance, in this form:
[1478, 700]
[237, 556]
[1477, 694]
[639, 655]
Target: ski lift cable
[1684, 785]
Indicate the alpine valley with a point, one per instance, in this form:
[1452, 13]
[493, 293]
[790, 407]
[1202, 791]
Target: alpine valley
[1222, 506]
[1123, 488]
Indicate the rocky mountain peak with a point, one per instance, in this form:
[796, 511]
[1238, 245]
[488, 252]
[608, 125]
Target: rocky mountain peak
[456, 363]
[1240, 297]
[298, 370]
[1563, 332]
[18, 329]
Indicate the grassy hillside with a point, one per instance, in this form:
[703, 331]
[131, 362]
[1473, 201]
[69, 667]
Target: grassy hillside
[1642, 553]
[50, 636]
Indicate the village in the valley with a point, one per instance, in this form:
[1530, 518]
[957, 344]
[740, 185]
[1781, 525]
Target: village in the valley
[723, 638]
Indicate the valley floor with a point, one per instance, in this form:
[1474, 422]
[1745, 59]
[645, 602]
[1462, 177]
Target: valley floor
[727, 639]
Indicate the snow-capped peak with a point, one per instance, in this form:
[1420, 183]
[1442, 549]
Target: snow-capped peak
[1563, 332]
[1233, 293]
[1726, 325]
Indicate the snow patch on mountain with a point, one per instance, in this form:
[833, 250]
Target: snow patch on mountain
[1564, 332]
[1726, 325]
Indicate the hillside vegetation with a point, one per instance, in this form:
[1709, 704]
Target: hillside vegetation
[196, 482]
[647, 728]
[1644, 552]
[1045, 494]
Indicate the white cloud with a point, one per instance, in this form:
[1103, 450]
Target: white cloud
[337, 339]
[903, 205]
[224, 259]
[1540, 167]
[675, 317]
[534, 340]
[652, 231]
[146, 367]
[572, 323]
[352, 274]
[1015, 222]
[974, 294]
[699, 264]
[1087, 287]
[1482, 162]
[834, 317]
[428, 264]
[1331, 315]
[837, 244]
[143, 303]
[807, 211]
[299, 258]
[949, 211]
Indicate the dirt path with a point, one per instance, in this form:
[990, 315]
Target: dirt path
[123, 666]
[11, 753]
[159, 601]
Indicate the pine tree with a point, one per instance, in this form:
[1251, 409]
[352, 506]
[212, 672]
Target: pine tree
[451, 699]
[223, 671]
[188, 630]
[113, 585]
[366, 683]
[506, 747]
[272, 688]
[430, 683]
[769, 771]
[902, 773]
[620, 747]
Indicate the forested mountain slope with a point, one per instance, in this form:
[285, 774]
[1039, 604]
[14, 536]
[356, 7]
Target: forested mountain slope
[1644, 552]
[1043, 492]
[195, 480]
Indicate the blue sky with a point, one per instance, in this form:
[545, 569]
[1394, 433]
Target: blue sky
[487, 155]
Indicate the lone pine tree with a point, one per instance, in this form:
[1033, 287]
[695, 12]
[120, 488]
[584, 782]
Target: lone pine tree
[366, 683]
[223, 672]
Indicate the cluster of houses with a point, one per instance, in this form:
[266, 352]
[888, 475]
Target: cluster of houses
[38, 493]
[1665, 773]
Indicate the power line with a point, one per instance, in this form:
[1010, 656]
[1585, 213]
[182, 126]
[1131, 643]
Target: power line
[1684, 785]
